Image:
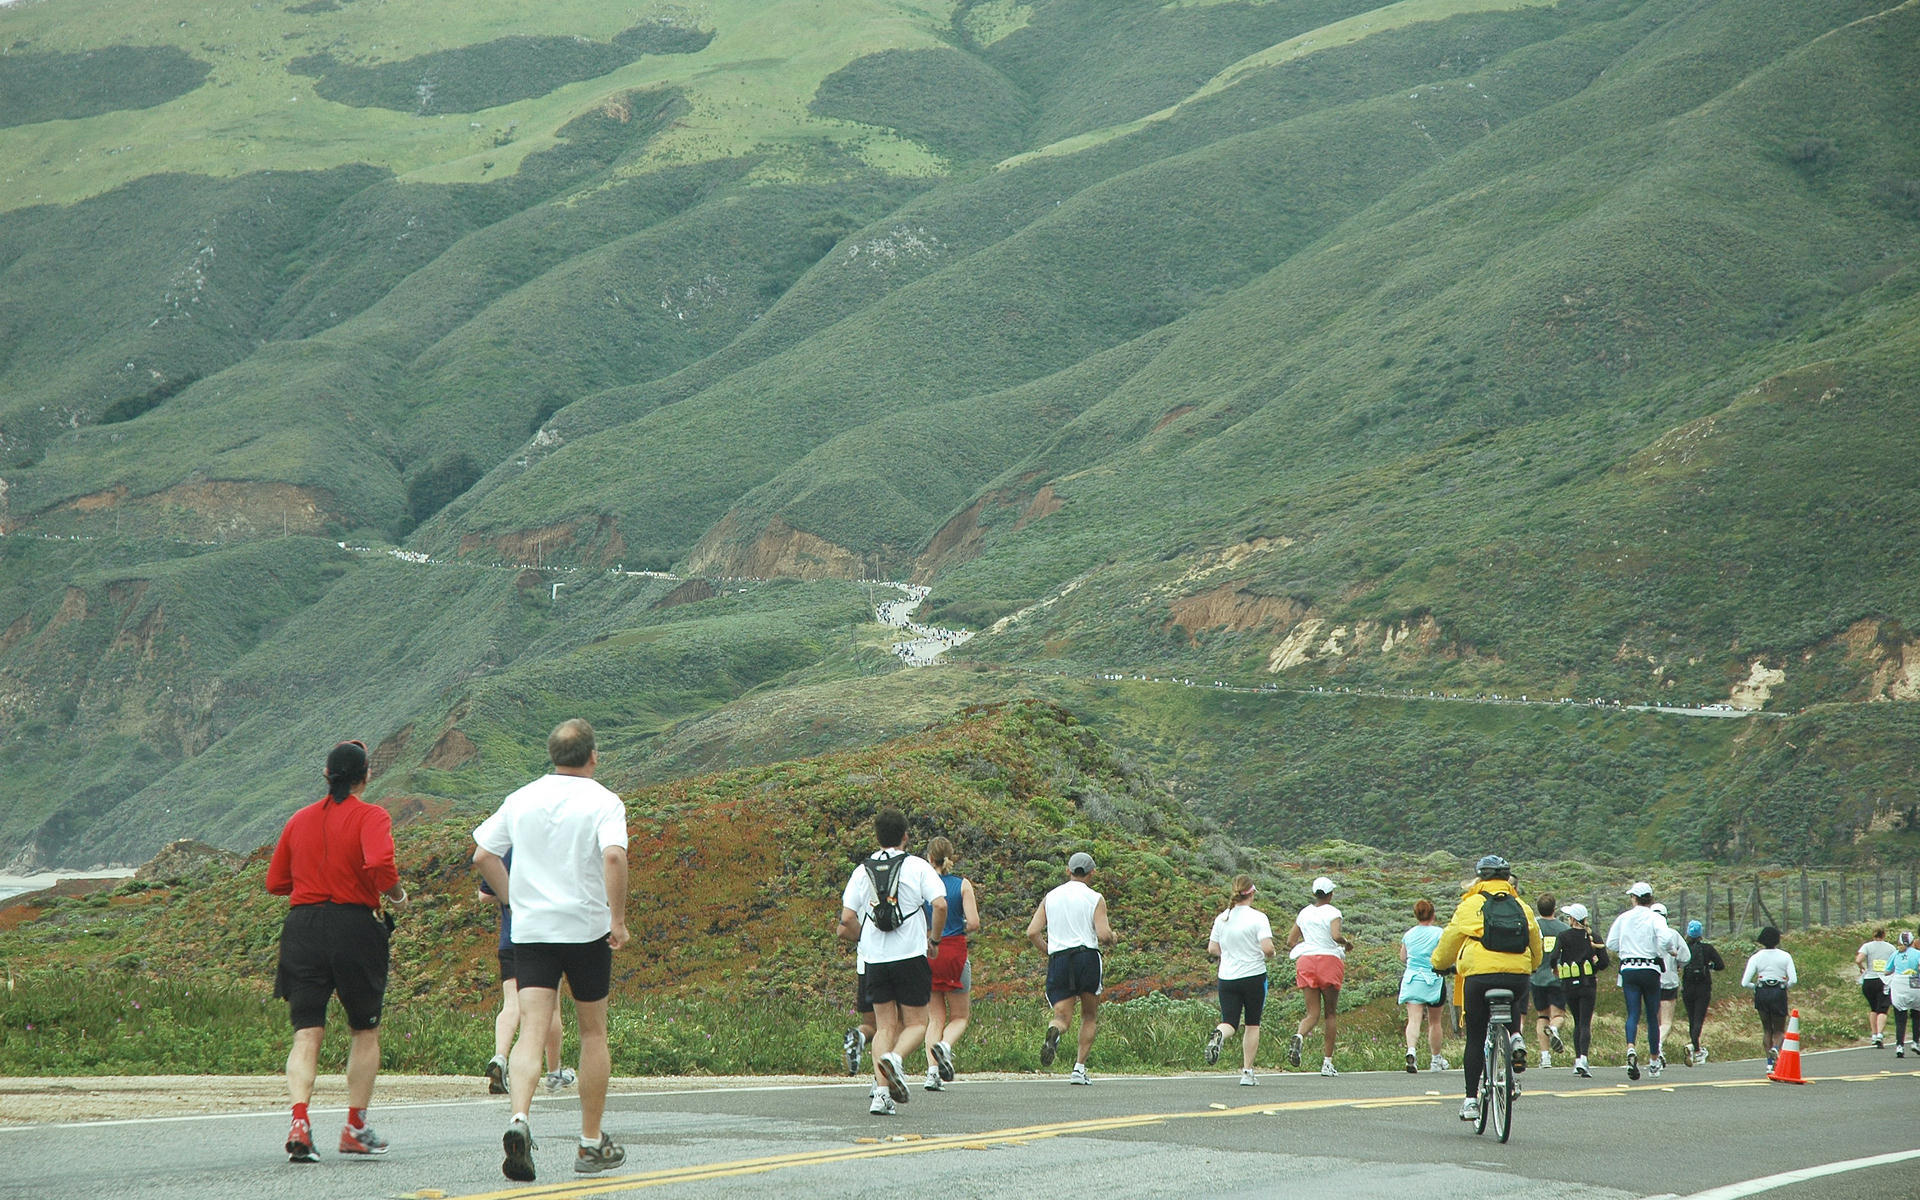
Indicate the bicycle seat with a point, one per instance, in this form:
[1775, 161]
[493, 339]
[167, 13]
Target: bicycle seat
[1495, 995]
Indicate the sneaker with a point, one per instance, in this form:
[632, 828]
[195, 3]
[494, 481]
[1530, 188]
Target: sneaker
[1656, 1064]
[1413, 1067]
[896, 1079]
[1546, 1061]
[1519, 1045]
[591, 1160]
[933, 1083]
[1080, 1075]
[497, 1075]
[1470, 1109]
[1772, 1056]
[518, 1143]
[1293, 1051]
[1437, 1063]
[852, 1048]
[1326, 1068]
[300, 1143]
[1247, 1079]
[1050, 1047]
[942, 1060]
[361, 1141]
[1900, 1051]
[1580, 1067]
[1879, 1041]
[1703, 1056]
[882, 1105]
[556, 1080]
[1553, 1040]
[1217, 1040]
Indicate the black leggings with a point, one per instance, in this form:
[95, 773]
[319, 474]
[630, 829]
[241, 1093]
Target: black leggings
[1580, 1004]
[1696, 999]
[1900, 1027]
[1477, 987]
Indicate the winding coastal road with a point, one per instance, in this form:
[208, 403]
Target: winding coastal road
[1715, 1132]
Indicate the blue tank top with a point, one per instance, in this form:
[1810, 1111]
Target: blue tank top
[956, 911]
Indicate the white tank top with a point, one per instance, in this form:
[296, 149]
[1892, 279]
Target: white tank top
[1070, 917]
[1316, 932]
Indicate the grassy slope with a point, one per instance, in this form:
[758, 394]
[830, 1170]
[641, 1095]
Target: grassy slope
[736, 876]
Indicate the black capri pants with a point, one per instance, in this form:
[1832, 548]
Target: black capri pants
[1237, 996]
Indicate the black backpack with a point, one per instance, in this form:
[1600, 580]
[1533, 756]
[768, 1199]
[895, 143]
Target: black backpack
[1700, 966]
[884, 910]
[1503, 924]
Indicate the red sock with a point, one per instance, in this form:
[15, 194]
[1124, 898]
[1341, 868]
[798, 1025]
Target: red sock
[356, 1118]
[300, 1112]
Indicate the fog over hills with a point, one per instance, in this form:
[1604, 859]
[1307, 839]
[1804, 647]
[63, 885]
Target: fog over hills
[426, 374]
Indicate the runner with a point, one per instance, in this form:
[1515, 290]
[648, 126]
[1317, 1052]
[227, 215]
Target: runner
[1669, 984]
[1577, 960]
[1242, 939]
[1421, 987]
[334, 862]
[1319, 951]
[951, 1005]
[568, 892]
[1903, 985]
[880, 908]
[854, 1046]
[1696, 988]
[1770, 973]
[507, 1023]
[1872, 962]
[1070, 925]
[1494, 941]
[1549, 998]
[1638, 938]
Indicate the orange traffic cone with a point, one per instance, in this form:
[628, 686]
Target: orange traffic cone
[1786, 1069]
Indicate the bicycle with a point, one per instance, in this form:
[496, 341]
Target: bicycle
[1497, 1084]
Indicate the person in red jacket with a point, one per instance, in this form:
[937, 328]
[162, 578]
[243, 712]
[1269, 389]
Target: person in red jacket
[334, 861]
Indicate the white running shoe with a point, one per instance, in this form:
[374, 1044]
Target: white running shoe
[1470, 1109]
[1293, 1051]
[942, 1055]
[1326, 1068]
[1656, 1064]
[933, 1080]
[1546, 1060]
[882, 1105]
[1553, 1040]
[1438, 1063]
[1080, 1075]
[1633, 1063]
[1413, 1067]
[1247, 1079]
[1580, 1067]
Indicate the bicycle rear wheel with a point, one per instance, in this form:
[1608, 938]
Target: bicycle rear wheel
[1500, 1070]
[1486, 1083]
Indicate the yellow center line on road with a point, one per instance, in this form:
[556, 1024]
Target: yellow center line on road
[1020, 1135]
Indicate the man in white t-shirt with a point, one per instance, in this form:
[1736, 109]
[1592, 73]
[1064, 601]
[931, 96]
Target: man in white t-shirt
[899, 976]
[1070, 926]
[568, 892]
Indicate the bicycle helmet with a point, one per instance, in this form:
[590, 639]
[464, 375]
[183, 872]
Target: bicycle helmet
[1493, 867]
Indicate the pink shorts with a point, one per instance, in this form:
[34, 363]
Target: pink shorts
[1320, 970]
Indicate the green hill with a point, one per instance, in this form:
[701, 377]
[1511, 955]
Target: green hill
[1464, 347]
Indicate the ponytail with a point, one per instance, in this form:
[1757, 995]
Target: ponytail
[1242, 890]
[346, 769]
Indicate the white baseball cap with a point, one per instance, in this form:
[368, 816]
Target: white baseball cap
[1660, 908]
[1642, 888]
[1577, 912]
[1323, 885]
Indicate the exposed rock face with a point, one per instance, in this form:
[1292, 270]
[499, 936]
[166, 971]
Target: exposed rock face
[964, 537]
[691, 592]
[187, 857]
[594, 541]
[1752, 693]
[215, 508]
[1234, 608]
[1891, 659]
[779, 552]
[1314, 639]
[454, 749]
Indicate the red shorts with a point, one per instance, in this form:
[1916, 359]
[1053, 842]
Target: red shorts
[950, 963]
[1320, 970]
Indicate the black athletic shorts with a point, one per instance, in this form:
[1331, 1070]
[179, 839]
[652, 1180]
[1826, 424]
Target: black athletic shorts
[1552, 994]
[1875, 990]
[508, 969]
[908, 982]
[1248, 995]
[587, 966]
[863, 1003]
[1074, 972]
[327, 949]
[1669, 993]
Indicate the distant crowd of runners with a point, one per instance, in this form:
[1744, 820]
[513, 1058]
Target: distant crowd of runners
[553, 857]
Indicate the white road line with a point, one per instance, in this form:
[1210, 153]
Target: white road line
[1766, 1183]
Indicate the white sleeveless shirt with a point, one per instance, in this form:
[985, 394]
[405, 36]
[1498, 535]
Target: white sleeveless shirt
[1070, 917]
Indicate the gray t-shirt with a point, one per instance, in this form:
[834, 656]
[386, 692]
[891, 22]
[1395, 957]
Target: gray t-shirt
[1877, 954]
[1550, 930]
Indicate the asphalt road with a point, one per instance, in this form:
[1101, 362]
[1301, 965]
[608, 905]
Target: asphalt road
[1358, 1137]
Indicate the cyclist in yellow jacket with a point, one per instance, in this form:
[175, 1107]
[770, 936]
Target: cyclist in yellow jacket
[1490, 949]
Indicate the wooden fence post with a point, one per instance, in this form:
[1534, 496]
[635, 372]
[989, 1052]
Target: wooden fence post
[1731, 923]
[1806, 917]
[1706, 915]
[1843, 898]
[1683, 908]
[1879, 897]
[1824, 916]
[1786, 901]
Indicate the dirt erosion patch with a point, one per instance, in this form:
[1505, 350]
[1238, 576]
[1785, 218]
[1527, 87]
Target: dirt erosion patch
[691, 592]
[232, 509]
[454, 749]
[779, 551]
[1234, 608]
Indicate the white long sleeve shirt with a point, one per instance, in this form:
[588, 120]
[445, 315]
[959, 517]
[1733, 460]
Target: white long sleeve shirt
[1640, 937]
[1770, 966]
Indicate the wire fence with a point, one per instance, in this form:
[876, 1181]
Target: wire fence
[1784, 901]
